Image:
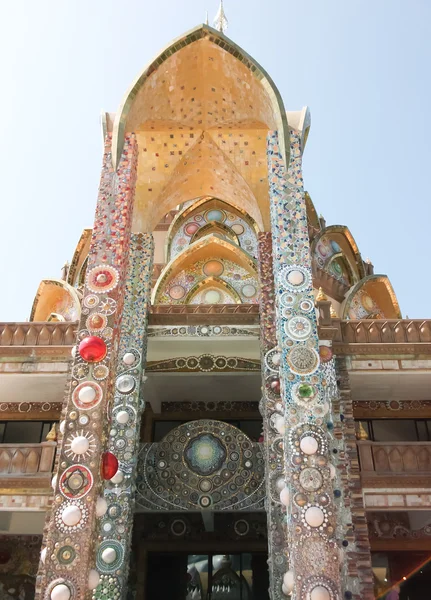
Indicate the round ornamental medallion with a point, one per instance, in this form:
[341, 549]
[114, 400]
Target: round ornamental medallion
[205, 454]
[75, 482]
[100, 372]
[295, 278]
[298, 328]
[107, 306]
[102, 279]
[287, 299]
[303, 360]
[311, 479]
[96, 322]
[306, 306]
[91, 301]
[325, 353]
[109, 556]
[87, 395]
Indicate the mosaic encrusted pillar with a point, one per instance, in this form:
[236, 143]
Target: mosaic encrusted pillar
[357, 544]
[116, 504]
[314, 557]
[271, 408]
[68, 553]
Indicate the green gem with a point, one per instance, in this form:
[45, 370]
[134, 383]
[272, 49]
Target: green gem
[305, 390]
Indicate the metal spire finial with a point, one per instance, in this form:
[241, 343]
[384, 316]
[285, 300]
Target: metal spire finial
[206, 19]
[220, 22]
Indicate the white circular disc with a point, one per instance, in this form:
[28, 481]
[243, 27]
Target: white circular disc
[71, 515]
[109, 555]
[60, 592]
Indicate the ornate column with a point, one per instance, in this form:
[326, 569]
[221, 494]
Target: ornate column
[68, 548]
[359, 573]
[272, 411]
[116, 503]
[314, 557]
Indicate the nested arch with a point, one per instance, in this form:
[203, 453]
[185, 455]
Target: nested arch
[210, 215]
[335, 251]
[210, 262]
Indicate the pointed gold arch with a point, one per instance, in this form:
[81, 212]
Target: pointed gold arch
[232, 49]
[380, 289]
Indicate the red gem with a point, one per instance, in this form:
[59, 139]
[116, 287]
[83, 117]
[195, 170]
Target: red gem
[92, 349]
[109, 465]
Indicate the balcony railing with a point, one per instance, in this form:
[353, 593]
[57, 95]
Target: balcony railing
[373, 331]
[26, 460]
[38, 334]
[397, 457]
[394, 331]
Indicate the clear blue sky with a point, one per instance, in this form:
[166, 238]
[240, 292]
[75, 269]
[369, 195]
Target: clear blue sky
[362, 66]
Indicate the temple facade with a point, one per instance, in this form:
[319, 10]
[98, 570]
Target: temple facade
[218, 399]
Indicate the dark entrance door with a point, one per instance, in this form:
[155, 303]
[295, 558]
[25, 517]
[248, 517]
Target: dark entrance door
[181, 576]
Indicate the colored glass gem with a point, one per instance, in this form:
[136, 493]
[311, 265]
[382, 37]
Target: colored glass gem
[109, 465]
[305, 390]
[92, 349]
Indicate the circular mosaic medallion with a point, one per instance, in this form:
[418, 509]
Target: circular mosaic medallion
[306, 306]
[60, 521]
[80, 371]
[248, 290]
[273, 359]
[107, 306]
[191, 228]
[325, 353]
[96, 322]
[287, 300]
[303, 360]
[215, 215]
[109, 556]
[205, 454]
[213, 268]
[125, 384]
[91, 301]
[295, 278]
[100, 372]
[75, 482]
[176, 292]
[87, 395]
[238, 228]
[298, 328]
[66, 555]
[102, 279]
[205, 501]
[212, 297]
[311, 479]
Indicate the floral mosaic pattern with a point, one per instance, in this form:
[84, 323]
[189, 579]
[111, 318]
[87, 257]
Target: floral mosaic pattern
[78, 479]
[311, 527]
